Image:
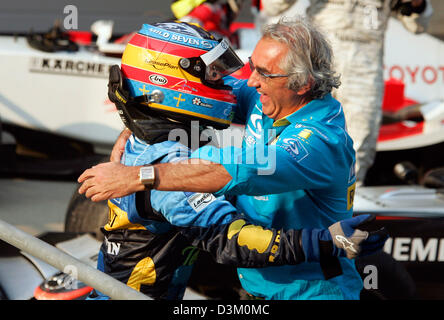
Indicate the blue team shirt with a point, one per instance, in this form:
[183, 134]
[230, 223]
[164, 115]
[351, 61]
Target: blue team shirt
[296, 172]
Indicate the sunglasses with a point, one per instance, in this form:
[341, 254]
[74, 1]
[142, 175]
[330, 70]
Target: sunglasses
[263, 74]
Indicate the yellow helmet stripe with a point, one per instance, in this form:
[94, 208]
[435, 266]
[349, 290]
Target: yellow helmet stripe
[146, 59]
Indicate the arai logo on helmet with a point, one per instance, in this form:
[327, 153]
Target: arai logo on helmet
[158, 79]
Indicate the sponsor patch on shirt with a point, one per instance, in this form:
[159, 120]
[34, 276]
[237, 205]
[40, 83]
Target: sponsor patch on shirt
[199, 201]
[294, 147]
[351, 196]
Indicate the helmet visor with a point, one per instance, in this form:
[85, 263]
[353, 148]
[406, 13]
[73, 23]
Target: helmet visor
[220, 61]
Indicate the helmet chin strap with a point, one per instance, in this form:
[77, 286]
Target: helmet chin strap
[155, 129]
[158, 128]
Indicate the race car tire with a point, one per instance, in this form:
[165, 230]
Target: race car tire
[85, 216]
[393, 280]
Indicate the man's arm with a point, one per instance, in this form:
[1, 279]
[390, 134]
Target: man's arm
[114, 180]
[242, 244]
[193, 175]
[283, 166]
[119, 146]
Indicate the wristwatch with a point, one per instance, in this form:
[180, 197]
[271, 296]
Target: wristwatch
[147, 176]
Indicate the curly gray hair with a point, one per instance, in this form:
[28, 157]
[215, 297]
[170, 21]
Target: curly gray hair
[310, 57]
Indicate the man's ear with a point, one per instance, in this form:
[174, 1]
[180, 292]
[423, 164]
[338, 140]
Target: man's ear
[306, 88]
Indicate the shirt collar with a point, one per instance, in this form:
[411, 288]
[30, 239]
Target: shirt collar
[305, 113]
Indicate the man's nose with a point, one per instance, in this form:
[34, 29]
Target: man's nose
[253, 80]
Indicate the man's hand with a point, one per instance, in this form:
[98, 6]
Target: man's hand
[352, 241]
[119, 145]
[345, 238]
[109, 180]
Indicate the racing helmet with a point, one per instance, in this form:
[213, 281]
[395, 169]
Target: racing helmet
[174, 70]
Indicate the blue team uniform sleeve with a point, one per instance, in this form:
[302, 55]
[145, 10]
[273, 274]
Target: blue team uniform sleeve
[290, 164]
[245, 96]
[184, 209]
